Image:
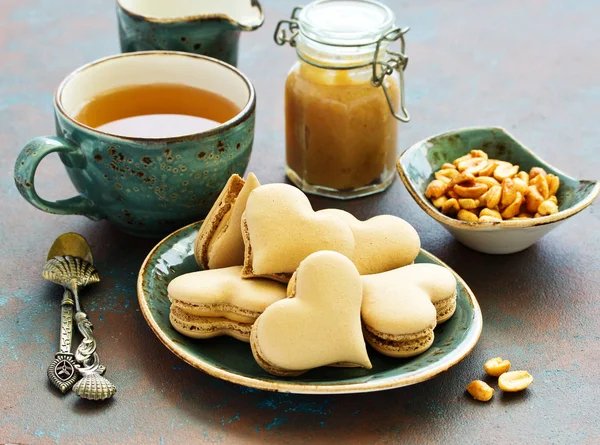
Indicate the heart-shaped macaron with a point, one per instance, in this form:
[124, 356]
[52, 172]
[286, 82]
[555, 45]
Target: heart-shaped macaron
[280, 229]
[215, 302]
[219, 242]
[382, 243]
[401, 307]
[318, 324]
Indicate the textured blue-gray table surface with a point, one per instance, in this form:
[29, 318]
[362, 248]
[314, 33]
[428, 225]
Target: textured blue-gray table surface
[529, 66]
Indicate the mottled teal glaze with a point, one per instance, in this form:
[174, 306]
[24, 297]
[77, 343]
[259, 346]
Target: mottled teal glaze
[146, 187]
[174, 256]
[214, 36]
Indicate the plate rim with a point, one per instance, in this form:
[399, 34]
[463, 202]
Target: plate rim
[414, 377]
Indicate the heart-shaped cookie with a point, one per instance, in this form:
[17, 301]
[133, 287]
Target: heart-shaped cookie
[382, 243]
[318, 324]
[280, 229]
[215, 302]
[401, 307]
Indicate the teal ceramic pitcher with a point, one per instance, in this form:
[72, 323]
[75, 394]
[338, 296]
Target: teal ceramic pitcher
[210, 28]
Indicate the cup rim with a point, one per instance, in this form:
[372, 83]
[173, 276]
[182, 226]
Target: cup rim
[241, 116]
[197, 17]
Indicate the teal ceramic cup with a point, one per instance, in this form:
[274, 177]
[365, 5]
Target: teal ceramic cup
[144, 186]
[211, 28]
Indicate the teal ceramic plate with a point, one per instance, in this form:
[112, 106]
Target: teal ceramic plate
[231, 360]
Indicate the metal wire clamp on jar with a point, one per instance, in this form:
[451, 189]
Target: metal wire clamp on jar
[341, 96]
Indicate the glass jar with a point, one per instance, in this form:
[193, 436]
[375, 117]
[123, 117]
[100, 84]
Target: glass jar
[340, 97]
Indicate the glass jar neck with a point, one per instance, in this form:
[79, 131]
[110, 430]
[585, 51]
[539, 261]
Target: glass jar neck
[340, 57]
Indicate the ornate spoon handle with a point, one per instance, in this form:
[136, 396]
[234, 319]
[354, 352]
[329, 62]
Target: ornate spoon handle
[62, 371]
[88, 345]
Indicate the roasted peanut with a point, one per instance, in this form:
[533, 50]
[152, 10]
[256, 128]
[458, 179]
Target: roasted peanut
[542, 185]
[435, 189]
[473, 165]
[490, 212]
[554, 199]
[480, 390]
[470, 190]
[448, 165]
[462, 178]
[462, 158]
[534, 199]
[450, 207]
[547, 208]
[537, 215]
[553, 184]
[520, 185]
[479, 154]
[496, 366]
[486, 218]
[514, 208]
[452, 194]
[448, 173]
[491, 198]
[468, 203]
[488, 170]
[523, 176]
[487, 180]
[505, 170]
[445, 179]
[514, 381]
[465, 215]
[437, 203]
[536, 171]
[509, 193]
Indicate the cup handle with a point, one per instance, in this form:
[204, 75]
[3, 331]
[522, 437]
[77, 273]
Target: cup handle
[24, 174]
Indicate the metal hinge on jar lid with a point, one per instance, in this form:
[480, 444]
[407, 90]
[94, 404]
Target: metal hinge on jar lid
[287, 31]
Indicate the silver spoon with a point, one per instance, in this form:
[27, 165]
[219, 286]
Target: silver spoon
[70, 266]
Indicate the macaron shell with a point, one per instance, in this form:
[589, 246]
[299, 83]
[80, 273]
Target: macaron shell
[226, 248]
[208, 327]
[320, 323]
[283, 229]
[382, 243]
[219, 286]
[219, 212]
[401, 301]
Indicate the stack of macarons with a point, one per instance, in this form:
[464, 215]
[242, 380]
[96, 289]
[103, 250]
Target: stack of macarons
[307, 288]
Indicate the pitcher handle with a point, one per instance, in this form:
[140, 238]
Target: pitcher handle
[26, 165]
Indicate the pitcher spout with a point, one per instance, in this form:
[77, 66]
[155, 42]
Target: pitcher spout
[241, 15]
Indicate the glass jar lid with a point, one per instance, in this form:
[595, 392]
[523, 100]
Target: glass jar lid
[345, 22]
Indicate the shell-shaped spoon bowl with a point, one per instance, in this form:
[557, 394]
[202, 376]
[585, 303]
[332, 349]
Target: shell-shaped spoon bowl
[94, 387]
[64, 269]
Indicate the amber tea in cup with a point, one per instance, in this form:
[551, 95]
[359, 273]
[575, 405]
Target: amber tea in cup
[156, 110]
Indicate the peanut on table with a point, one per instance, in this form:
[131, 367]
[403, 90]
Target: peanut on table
[475, 188]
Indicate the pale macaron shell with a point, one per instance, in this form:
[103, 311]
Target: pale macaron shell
[400, 301]
[321, 324]
[225, 286]
[226, 248]
[283, 230]
[381, 243]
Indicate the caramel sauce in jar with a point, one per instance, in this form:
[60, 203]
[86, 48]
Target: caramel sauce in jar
[340, 133]
[341, 97]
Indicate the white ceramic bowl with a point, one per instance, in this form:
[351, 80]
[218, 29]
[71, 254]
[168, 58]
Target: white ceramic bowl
[417, 165]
